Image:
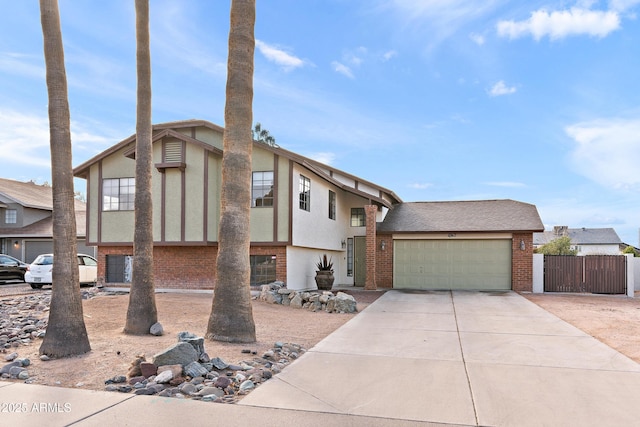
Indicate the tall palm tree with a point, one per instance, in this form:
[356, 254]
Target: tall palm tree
[142, 312]
[66, 332]
[231, 316]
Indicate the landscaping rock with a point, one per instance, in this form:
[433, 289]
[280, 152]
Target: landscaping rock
[181, 353]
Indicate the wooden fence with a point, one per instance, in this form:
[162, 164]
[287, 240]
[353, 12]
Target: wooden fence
[597, 274]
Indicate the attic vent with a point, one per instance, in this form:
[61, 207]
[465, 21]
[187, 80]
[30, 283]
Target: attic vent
[173, 151]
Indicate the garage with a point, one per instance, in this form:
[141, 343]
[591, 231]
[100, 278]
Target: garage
[461, 245]
[452, 264]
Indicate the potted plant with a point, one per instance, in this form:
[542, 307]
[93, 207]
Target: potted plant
[324, 274]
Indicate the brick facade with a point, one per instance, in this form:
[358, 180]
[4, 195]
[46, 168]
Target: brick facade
[370, 218]
[186, 267]
[522, 262]
[384, 261]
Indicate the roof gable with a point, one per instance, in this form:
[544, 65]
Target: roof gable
[462, 216]
[384, 197]
[27, 194]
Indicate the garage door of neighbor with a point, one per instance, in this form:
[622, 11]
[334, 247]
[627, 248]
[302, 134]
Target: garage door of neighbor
[452, 264]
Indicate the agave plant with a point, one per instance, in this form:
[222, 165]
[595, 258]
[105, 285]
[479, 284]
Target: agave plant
[325, 264]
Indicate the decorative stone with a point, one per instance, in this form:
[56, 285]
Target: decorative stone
[210, 390]
[156, 329]
[11, 357]
[164, 377]
[296, 301]
[148, 369]
[194, 369]
[219, 364]
[222, 382]
[181, 353]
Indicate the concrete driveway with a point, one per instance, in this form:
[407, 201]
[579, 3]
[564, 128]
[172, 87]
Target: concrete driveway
[460, 358]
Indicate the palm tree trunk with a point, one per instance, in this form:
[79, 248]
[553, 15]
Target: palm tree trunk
[66, 332]
[231, 316]
[142, 312]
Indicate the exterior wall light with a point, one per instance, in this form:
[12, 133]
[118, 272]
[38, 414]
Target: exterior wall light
[522, 245]
[15, 244]
[383, 245]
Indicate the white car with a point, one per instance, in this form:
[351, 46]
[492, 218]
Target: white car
[39, 272]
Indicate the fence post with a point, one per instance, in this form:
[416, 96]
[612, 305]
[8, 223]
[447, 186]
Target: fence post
[538, 273]
[630, 279]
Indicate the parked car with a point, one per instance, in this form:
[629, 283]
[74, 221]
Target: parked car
[11, 268]
[39, 272]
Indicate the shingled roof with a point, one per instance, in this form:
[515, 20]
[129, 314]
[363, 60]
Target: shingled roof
[28, 194]
[580, 236]
[462, 216]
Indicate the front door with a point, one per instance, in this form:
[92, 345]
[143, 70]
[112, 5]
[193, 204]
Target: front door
[360, 261]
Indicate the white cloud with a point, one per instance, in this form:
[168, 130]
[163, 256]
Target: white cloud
[477, 38]
[325, 157]
[420, 185]
[501, 88]
[607, 152]
[274, 54]
[562, 23]
[22, 65]
[31, 133]
[342, 69]
[623, 5]
[389, 54]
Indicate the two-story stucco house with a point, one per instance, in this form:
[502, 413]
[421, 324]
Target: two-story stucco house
[301, 209]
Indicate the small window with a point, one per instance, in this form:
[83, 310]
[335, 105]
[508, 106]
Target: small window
[350, 257]
[358, 217]
[305, 193]
[118, 194]
[263, 269]
[332, 205]
[262, 189]
[11, 216]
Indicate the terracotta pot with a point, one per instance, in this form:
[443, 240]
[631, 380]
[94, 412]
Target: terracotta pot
[324, 280]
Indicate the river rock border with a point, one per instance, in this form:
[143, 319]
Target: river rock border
[277, 293]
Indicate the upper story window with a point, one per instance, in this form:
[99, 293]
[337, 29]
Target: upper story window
[358, 217]
[262, 189]
[10, 216]
[332, 205]
[305, 193]
[118, 194]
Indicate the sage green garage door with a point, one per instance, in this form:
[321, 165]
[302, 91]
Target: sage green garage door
[452, 264]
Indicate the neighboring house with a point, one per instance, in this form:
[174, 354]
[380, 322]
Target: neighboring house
[301, 209]
[26, 223]
[484, 244]
[587, 241]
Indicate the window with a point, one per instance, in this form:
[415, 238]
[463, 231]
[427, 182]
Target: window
[357, 217]
[10, 216]
[350, 257]
[332, 205]
[119, 268]
[305, 193]
[263, 269]
[118, 194]
[262, 189]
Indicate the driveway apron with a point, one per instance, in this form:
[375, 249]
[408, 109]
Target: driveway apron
[460, 358]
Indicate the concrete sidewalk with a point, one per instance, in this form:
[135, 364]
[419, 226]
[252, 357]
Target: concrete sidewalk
[410, 358]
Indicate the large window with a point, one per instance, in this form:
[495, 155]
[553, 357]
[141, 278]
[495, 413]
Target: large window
[10, 216]
[262, 189]
[358, 217]
[118, 194]
[305, 193]
[263, 269]
[332, 205]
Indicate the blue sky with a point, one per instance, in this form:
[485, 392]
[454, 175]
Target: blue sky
[537, 101]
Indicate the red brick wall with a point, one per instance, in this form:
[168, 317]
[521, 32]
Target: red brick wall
[186, 267]
[384, 261]
[522, 262]
[370, 213]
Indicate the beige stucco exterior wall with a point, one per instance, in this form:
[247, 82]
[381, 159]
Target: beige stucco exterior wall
[284, 196]
[213, 208]
[117, 226]
[194, 193]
